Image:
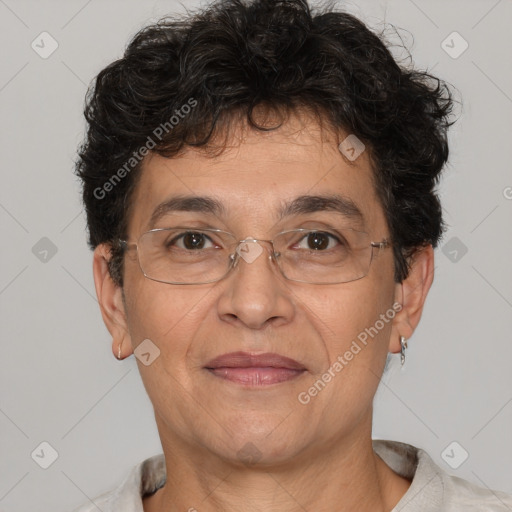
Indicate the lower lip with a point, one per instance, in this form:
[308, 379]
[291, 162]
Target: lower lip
[256, 376]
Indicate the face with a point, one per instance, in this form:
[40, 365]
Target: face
[256, 310]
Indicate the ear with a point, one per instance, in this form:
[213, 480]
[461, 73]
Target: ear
[110, 298]
[411, 294]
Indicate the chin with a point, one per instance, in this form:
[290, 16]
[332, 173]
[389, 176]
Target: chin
[258, 440]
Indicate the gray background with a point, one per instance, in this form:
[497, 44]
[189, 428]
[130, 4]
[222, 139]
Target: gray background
[59, 382]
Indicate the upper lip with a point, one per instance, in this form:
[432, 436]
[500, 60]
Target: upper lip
[246, 360]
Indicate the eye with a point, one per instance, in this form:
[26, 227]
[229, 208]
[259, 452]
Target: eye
[319, 241]
[191, 240]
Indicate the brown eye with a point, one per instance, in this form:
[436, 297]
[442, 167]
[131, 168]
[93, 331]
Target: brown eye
[318, 241]
[191, 240]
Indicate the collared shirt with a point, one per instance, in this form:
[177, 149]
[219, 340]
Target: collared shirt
[432, 489]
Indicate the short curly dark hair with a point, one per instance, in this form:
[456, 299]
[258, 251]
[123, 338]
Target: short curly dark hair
[211, 68]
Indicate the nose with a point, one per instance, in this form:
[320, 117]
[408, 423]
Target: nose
[255, 294]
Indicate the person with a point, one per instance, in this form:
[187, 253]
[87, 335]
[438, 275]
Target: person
[259, 179]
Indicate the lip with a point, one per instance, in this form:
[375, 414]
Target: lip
[255, 369]
[246, 360]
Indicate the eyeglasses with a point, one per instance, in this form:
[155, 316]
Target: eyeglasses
[185, 255]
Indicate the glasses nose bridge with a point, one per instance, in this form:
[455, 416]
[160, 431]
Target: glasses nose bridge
[250, 239]
[248, 251]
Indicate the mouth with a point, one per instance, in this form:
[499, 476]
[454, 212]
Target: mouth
[255, 369]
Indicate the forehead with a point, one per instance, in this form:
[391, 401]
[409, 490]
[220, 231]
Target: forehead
[257, 175]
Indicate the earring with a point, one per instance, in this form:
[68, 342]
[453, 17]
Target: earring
[403, 345]
[119, 351]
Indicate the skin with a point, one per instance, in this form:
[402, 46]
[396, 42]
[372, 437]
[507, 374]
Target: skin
[317, 456]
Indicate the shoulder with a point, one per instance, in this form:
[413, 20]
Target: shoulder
[432, 488]
[145, 477]
[103, 503]
[461, 494]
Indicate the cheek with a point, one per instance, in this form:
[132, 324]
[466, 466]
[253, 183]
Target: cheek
[355, 339]
[169, 317]
[352, 315]
[163, 314]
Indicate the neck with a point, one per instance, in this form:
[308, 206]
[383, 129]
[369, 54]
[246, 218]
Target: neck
[344, 476]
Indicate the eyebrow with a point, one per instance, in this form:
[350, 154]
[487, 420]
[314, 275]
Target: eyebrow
[298, 206]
